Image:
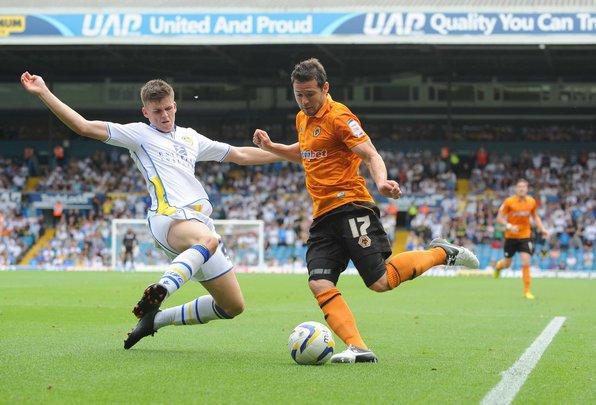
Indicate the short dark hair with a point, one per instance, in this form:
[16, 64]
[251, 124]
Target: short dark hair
[310, 69]
[156, 90]
[522, 180]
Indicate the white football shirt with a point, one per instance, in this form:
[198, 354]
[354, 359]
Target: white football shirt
[167, 162]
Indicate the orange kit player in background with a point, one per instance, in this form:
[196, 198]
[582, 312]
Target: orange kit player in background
[515, 213]
[331, 146]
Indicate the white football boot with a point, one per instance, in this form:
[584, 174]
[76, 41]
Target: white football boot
[354, 354]
[456, 255]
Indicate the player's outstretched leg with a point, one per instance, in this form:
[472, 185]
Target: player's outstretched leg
[409, 265]
[179, 272]
[225, 302]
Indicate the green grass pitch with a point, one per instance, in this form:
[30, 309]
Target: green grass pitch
[439, 340]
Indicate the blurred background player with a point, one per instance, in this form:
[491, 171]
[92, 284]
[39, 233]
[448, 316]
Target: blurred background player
[179, 215]
[331, 146]
[129, 242]
[515, 214]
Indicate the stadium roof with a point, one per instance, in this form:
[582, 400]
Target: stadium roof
[535, 5]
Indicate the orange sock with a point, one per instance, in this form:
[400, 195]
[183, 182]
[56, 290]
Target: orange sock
[339, 317]
[527, 278]
[409, 265]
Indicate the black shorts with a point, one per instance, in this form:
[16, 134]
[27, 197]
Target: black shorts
[518, 245]
[351, 231]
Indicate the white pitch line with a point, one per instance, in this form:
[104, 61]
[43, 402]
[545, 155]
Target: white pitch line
[514, 378]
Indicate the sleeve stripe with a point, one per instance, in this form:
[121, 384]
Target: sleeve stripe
[226, 154]
[109, 133]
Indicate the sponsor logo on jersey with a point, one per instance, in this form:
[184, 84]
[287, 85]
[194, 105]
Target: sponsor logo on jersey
[313, 154]
[180, 150]
[523, 213]
[356, 129]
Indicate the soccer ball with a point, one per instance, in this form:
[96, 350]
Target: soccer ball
[311, 343]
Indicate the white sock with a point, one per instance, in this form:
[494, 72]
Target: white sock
[201, 310]
[183, 267]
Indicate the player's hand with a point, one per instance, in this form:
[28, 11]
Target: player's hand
[33, 84]
[389, 189]
[545, 233]
[262, 140]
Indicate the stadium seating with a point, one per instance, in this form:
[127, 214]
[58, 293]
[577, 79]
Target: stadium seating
[563, 183]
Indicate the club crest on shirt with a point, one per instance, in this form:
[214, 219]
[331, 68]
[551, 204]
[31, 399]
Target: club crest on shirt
[364, 241]
[187, 140]
[316, 132]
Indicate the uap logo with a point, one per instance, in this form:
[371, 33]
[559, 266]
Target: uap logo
[113, 24]
[393, 23]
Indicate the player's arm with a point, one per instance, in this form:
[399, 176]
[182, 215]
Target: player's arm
[376, 166]
[72, 119]
[502, 218]
[540, 225]
[287, 152]
[248, 155]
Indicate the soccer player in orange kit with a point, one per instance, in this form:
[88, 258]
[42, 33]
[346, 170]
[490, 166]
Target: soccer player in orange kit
[331, 146]
[515, 214]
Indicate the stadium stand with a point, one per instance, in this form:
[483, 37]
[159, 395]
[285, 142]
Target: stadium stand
[563, 183]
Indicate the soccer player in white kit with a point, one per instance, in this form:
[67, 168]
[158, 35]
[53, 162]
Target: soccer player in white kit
[179, 215]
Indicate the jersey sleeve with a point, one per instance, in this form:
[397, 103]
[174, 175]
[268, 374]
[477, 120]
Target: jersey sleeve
[347, 127]
[534, 206]
[124, 135]
[210, 150]
[505, 208]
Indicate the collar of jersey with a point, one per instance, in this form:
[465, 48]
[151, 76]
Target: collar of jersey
[326, 106]
[159, 130]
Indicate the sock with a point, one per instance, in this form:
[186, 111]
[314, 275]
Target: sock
[339, 317]
[500, 265]
[409, 265]
[527, 278]
[183, 267]
[201, 310]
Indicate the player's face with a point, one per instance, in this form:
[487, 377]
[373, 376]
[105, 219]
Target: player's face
[161, 113]
[521, 189]
[309, 96]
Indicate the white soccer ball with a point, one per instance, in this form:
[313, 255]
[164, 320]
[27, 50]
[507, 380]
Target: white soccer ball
[311, 343]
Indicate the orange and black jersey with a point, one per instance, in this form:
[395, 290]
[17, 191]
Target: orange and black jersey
[517, 211]
[331, 167]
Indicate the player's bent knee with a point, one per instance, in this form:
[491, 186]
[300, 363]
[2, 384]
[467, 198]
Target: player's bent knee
[318, 286]
[210, 242]
[380, 285]
[233, 309]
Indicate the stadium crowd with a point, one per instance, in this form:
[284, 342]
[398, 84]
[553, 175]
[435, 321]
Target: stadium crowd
[235, 130]
[564, 185]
